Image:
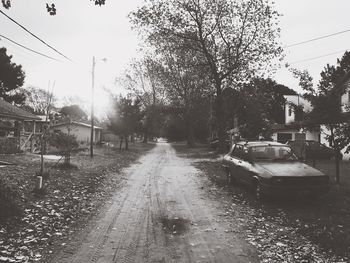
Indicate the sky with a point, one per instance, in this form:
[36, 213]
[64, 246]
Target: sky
[81, 30]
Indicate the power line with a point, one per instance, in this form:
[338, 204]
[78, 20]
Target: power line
[313, 58]
[27, 48]
[317, 38]
[25, 29]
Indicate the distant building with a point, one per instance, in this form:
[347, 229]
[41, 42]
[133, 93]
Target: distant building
[12, 120]
[81, 130]
[293, 127]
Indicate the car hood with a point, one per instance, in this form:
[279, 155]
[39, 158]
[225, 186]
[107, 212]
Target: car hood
[288, 169]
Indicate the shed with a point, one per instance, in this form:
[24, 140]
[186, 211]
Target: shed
[81, 130]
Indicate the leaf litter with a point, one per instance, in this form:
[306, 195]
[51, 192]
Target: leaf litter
[271, 228]
[72, 198]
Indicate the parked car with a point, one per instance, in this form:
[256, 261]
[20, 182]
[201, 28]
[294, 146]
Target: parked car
[314, 150]
[271, 168]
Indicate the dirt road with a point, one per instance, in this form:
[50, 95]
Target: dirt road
[161, 215]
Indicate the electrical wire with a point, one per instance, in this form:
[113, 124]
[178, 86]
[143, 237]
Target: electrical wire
[313, 58]
[317, 38]
[25, 29]
[27, 48]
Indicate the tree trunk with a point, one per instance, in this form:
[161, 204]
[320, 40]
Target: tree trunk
[145, 136]
[190, 131]
[336, 156]
[337, 163]
[337, 168]
[126, 142]
[220, 117]
[120, 142]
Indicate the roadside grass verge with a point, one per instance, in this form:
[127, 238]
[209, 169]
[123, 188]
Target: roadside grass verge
[69, 199]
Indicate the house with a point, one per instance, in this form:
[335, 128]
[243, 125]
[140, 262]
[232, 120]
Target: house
[81, 130]
[37, 127]
[294, 109]
[12, 121]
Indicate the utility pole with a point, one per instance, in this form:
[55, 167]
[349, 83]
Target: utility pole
[92, 109]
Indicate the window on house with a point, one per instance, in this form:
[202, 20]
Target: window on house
[290, 111]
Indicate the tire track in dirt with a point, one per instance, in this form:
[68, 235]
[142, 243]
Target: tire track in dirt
[160, 216]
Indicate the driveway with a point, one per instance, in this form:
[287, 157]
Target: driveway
[162, 214]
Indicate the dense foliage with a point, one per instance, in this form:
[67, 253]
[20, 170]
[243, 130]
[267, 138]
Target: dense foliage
[231, 40]
[74, 112]
[325, 99]
[11, 79]
[125, 120]
[65, 143]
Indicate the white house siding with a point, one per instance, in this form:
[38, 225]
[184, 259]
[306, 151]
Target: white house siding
[289, 114]
[310, 135]
[82, 133]
[292, 100]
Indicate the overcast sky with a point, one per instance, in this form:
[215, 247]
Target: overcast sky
[81, 30]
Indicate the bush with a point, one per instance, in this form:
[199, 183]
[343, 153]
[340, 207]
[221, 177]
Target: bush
[11, 203]
[65, 143]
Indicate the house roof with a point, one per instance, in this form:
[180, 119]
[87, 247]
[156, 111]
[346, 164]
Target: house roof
[7, 110]
[75, 123]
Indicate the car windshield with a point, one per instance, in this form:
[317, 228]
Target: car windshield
[272, 153]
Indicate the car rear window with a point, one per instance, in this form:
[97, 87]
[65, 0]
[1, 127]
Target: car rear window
[271, 152]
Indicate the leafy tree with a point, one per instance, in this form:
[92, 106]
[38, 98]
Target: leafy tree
[325, 100]
[125, 119]
[50, 8]
[141, 81]
[255, 106]
[175, 128]
[236, 38]
[74, 112]
[11, 79]
[187, 88]
[269, 96]
[66, 143]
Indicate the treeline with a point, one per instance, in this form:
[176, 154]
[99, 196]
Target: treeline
[194, 52]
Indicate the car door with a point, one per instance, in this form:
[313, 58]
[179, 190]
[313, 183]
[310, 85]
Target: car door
[237, 161]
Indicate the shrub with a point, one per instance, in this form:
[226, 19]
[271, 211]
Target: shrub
[65, 143]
